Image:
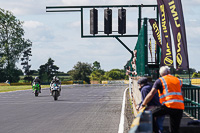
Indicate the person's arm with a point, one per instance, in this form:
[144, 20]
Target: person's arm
[149, 97]
[144, 93]
[138, 106]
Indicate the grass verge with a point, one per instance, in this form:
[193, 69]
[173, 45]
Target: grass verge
[16, 88]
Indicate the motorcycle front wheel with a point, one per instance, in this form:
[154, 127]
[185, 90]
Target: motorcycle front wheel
[36, 93]
[55, 95]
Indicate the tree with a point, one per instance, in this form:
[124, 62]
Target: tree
[48, 70]
[97, 75]
[115, 74]
[192, 70]
[25, 59]
[12, 43]
[195, 75]
[96, 66]
[81, 71]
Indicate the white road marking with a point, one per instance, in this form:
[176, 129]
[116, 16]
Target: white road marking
[121, 124]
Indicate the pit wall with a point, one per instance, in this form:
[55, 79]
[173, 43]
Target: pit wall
[135, 94]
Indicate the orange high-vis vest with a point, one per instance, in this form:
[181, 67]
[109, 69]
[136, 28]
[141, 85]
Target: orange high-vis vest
[171, 96]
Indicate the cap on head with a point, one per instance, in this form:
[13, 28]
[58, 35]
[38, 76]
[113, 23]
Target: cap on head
[142, 80]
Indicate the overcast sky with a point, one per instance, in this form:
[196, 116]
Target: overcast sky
[58, 35]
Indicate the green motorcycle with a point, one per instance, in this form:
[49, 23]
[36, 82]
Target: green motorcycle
[36, 89]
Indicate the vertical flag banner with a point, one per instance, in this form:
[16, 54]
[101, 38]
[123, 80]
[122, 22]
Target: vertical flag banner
[156, 31]
[166, 53]
[174, 11]
[155, 51]
[181, 18]
[150, 49]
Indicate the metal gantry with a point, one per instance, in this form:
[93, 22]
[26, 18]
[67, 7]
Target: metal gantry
[81, 8]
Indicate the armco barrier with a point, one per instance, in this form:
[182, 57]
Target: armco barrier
[67, 82]
[115, 82]
[142, 122]
[104, 82]
[4, 84]
[17, 84]
[78, 82]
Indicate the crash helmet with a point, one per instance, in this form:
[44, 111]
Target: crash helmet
[36, 77]
[54, 78]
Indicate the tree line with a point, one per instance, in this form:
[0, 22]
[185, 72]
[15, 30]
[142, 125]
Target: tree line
[80, 71]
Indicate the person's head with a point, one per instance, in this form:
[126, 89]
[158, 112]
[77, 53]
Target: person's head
[132, 62]
[54, 77]
[134, 59]
[127, 67]
[142, 81]
[164, 70]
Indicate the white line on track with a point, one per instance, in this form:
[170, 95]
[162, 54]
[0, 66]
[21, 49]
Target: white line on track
[121, 124]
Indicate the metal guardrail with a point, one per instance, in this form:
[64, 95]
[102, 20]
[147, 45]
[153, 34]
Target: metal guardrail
[142, 122]
[192, 100]
[115, 82]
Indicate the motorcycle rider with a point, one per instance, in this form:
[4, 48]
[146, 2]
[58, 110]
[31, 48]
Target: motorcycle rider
[37, 81]
[55, 81]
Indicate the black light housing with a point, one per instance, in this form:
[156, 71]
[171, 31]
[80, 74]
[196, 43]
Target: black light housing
[122, 21]
[108, 21]
[93, 21]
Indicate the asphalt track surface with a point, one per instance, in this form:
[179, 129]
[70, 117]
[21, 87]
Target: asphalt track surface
[79, 109]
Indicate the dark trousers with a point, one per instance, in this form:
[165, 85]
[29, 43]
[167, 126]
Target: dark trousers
[174, 114]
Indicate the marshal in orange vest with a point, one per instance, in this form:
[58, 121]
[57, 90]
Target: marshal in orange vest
[171, 96]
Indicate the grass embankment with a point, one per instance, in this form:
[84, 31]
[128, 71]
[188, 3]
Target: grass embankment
[16, 88]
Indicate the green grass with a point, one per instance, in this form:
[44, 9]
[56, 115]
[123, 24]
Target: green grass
[15, 88]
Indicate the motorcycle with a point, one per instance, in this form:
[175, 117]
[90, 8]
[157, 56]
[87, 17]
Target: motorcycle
[55, 91]
[36, 89]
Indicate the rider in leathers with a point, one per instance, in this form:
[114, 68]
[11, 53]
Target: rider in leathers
[56, 81]
[37, 80]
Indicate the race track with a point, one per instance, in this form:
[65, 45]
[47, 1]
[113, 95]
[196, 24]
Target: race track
[79, 109]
